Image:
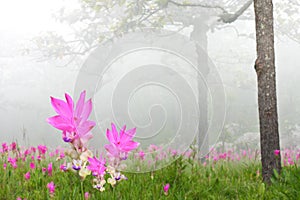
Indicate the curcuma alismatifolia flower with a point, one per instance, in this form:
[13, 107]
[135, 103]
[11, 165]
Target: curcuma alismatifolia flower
[97, 166]
[51, 188]
[166, 188]
[73, 122]
[120, 144]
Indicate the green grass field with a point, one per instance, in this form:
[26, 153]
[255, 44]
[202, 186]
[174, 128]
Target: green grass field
[188, 179]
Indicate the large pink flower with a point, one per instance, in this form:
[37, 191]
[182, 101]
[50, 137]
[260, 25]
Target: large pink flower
[73, 122]
[97, 166]
[120, 144]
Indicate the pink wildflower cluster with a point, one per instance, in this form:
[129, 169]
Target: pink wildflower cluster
[76, 130]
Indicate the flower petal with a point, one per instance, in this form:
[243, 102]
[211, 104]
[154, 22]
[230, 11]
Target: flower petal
[128, 146]
[112, 150]
[85, 127]
[69, 102]
[128, 135]
[86, 111]
[60, 123]
[80, 104]
[61, 107]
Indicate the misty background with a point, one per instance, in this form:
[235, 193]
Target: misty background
[27, 80]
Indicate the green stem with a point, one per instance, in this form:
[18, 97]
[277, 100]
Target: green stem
[82, 193]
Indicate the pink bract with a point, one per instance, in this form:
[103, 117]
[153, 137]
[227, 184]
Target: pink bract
[120, 144]
[73, 122]
[97, 166]
[51, 187]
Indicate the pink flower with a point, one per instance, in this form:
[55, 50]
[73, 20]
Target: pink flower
[44, 169]
[97, 166]
[290, 161]
[153, 147]
[51, 187]
[13, 146]
[276, 152]
[4, 165]
[63, 167]
[49, 169]
[166, 188]
[86, 196]
[74, 123]
[42, 149]
[32, 165]
[62, 155]
[33, 149]
[4, 147]
[142, 155]
[120, 144]
[13, 162]
[27, 176]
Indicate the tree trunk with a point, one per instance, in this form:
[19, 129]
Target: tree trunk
[267, 102]
[199, 35]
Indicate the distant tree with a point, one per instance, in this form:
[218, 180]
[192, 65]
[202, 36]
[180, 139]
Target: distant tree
[266, 79]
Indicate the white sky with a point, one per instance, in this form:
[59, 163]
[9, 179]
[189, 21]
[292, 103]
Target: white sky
[30, 16]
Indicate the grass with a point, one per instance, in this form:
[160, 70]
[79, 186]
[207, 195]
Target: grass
[188, 179]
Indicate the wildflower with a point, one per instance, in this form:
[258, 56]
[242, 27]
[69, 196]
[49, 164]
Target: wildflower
[97, 166]
[27, 176]
[142, 155]
[120, 144]
[276, 152]
[86, 196]
[74, 123]
[111, 181]
[63, 167]
[49, 169]
[99, 184]
[42, 149]
[174, 153]
[4, 165]
[153, 147]
[51, 188]
[13, 162]
[83, 172]
[13, 146]
[61, 155]
[77, 164]
[4, 147]
[32, 165]
[166, 188]
[33, 149]
[290, 161]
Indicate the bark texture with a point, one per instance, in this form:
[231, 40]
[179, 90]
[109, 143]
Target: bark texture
[266, 80]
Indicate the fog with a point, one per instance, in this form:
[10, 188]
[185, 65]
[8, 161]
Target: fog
[151, 89]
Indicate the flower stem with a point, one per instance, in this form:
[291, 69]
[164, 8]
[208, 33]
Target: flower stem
[82, 193]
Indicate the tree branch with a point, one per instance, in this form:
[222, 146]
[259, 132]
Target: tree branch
[197, 5]
[226, 17]
[229, 18]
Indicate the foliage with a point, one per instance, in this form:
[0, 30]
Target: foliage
[223, 175]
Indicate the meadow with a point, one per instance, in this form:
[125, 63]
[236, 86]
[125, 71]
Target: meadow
[40, 173]
[126, 171]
